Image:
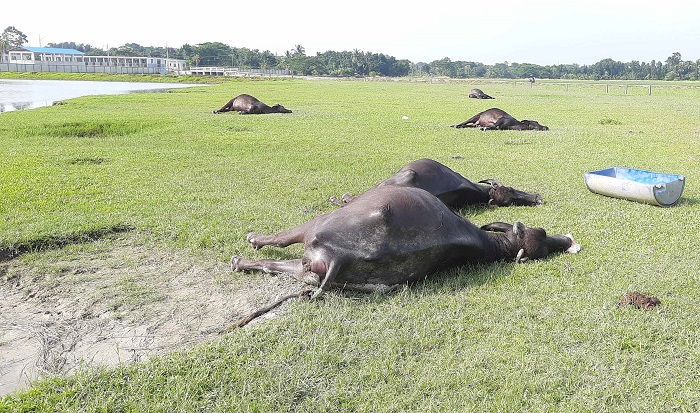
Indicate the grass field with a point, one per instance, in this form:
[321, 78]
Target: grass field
[544, 336]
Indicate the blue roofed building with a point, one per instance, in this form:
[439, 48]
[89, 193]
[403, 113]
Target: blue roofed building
[52, 59]
[45, 54]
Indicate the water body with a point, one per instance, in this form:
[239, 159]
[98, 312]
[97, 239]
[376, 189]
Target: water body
[19, 94]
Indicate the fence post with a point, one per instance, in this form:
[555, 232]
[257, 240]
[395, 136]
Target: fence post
[649, 90]
[606, 88]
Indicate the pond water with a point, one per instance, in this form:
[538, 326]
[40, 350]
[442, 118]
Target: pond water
[19, 94]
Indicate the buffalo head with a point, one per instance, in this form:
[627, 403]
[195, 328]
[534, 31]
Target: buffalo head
[532, 243]
[277, 108]
[505, 196]
[533, 125]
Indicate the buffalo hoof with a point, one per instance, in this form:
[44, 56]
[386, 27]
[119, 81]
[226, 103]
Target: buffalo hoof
[335, 201]
[317, 294]
[344, 199]
[234, 263]
[251, 238]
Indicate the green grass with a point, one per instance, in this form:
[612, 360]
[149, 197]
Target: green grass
[545, 336]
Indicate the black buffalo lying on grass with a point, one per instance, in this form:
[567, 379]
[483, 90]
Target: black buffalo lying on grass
[249, 105]
[498, 119]
[479, 94]
[452, 188]
[393, 235]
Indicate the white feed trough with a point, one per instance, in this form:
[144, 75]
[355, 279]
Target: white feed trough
[636, 185]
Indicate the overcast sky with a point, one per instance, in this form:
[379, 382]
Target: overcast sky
[543, 32]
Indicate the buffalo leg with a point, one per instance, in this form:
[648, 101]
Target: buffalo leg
[335, 201]
[227, 107]
[344, 199]
[469, 123]
[466, 195]
[281, 239]
[295, 268]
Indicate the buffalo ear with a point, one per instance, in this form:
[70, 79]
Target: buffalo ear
[497, 227]
[519, 229]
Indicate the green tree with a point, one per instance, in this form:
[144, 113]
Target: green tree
[499, 70]
[213, 54]
[373, 64]
[13, 37]
[4, 46]
[467, 70]
[267, 60]
[609, 69]
[443, 67]
[526, 70]
[358, 61]
[96, 51]
[296, 61]
[633, 70]
[672, 75]
[673, 61]
[685, 69]
[129, 49]
[654, 71]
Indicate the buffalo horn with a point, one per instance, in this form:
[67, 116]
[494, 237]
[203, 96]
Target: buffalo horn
[495, 183]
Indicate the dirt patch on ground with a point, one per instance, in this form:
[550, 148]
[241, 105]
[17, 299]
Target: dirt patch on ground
[116, 301]
[639, 300]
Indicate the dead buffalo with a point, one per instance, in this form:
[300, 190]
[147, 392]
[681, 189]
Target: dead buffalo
[478, 94]
[393, 235]
[250, 105]
[452, 188]
[498, 119]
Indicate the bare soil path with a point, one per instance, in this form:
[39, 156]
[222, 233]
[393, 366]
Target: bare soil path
[116, 301]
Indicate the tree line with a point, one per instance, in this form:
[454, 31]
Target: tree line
[359, 63]
[674, 68]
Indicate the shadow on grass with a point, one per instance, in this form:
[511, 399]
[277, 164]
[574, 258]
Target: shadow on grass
[87, 160]
[58, 241]
[448, 281]
[688, 201]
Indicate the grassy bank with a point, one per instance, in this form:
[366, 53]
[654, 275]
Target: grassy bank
[105, 77]
[545, 336]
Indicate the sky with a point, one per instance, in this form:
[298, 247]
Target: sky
[543, 32]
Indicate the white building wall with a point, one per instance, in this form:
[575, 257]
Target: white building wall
[26, 61]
